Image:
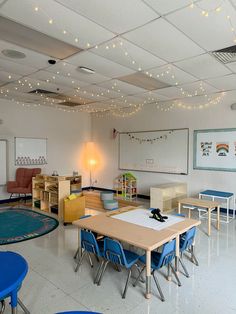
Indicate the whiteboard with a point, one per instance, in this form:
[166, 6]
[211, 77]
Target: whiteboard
[215, 149]
[3, 163]
[155, 151]
[30, 151]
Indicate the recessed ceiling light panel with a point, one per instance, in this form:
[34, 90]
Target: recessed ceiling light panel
[86, 70]
[14, 54]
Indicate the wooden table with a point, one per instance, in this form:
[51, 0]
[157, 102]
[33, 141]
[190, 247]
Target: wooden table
[199, 203]
[138, 236]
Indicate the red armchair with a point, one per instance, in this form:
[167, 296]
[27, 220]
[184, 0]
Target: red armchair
[23, 183]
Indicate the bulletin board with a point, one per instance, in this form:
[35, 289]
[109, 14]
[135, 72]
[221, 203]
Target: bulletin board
[163, 151]
[30, 151]
[4, 162]
[214, 149]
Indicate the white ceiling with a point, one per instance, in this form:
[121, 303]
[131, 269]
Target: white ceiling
[168, 40]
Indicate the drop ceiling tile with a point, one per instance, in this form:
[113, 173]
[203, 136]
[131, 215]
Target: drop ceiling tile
[109, 13]
[24, 36]
[28, 84]
[56, 79]
[151, 97]
[166, 6]
[32, 59]
[127, 54]
[123, 87]
[198, 88]
[203, 66]
[92, 97]
[99, 64]
[70, 70]
[8, 77]
[171, 92]
[108, 93]
[171, 75]
[16, 68]
[74, 24]
[164, 40]
[232, 66]
[227, 82]
[212, 32]
[144, 81]
[130, 100]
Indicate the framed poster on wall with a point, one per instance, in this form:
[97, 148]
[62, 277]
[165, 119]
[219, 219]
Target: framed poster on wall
[214, 149]
[30, 151]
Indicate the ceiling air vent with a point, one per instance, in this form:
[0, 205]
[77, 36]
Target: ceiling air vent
[225, 55]
[69, 104]
[44, 92]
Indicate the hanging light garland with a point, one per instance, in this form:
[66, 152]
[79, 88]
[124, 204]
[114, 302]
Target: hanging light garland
[180, 105]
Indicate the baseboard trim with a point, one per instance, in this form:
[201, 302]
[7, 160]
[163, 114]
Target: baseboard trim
[111, 190]
[15, 199]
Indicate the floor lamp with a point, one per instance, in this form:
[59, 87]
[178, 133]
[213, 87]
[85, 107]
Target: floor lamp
[92, 163]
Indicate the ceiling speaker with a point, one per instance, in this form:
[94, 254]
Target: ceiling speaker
[233, 106]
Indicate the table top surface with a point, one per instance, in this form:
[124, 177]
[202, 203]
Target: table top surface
[199, 202]
[217, 193]
[139, 236]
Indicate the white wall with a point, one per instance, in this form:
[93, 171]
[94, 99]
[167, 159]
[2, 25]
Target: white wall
[66, 134]
[218, 116]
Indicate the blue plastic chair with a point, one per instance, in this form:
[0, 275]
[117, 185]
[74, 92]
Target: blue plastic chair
[13, 269]
[114, 253]
[158, 260]
[186, 245]
[89, 245]
[78, 312]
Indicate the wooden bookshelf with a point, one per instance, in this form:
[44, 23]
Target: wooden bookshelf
[48, 192]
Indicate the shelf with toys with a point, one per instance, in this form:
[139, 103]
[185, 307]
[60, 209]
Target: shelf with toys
[126, 186]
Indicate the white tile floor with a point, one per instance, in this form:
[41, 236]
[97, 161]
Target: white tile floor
[51, 284]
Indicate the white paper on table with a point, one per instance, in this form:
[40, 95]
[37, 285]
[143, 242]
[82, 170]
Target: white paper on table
[142, 218]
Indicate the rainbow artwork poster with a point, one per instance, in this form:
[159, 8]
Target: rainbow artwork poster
[222, 149]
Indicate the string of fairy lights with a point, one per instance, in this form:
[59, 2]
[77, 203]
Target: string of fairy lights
[165, 73]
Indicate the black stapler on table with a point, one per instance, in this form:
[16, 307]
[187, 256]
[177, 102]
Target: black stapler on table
[156, 214]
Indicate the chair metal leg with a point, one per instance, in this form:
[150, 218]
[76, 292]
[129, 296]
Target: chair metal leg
[26, 311]
[117, 267]
[175, 274]
[102, 272]
[77, 252]
[2, 306]
[126, 284]
[139, 276]
[90, 259]
[194, 259]
[158, 287]
[80, 261]
[14, 310]
[98, 272]
[184, 268]
[139, 270]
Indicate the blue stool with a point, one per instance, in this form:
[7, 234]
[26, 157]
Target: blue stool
[78, 312]
[107, 196]
[13, 269]
[110, 204]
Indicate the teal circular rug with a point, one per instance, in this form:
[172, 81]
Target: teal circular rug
[19, 224]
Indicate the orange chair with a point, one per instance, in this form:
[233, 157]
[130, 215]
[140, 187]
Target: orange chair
[23, 183]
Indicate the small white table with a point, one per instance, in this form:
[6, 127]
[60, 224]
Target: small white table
[227, 196]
